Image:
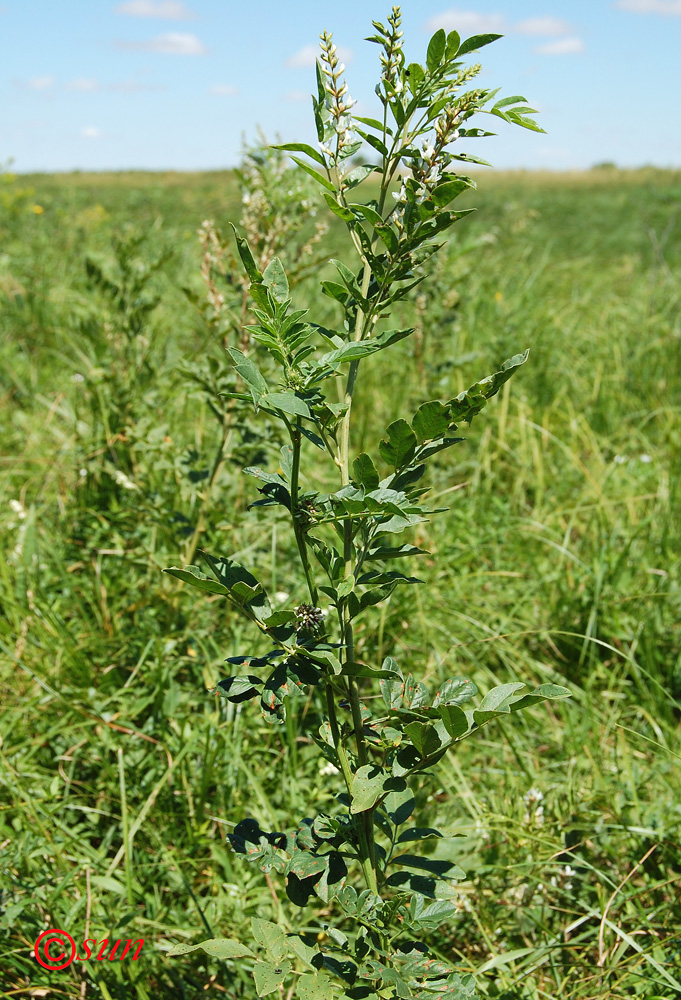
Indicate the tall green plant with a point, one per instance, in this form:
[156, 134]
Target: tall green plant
[362, 861]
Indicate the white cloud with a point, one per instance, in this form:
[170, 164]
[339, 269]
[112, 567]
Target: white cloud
[41, 83]
[223, 90]
[167, 10]
[668, 8]
[174, 43]
[84, 84]
[563, 47]
[91, 132]
[305, 57]
[542, 26]
[467, 22]
[133, 86]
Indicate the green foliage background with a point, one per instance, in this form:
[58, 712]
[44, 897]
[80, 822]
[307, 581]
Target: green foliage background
[120, 775]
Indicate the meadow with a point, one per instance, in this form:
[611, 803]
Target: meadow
[121, 774]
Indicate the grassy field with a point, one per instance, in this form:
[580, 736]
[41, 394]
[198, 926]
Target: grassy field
[120, 774]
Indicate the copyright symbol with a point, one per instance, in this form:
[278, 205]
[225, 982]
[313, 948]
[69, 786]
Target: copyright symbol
[57, 959]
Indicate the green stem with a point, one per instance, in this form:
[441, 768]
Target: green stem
[365, 820]
[366, 849]
[296, 441]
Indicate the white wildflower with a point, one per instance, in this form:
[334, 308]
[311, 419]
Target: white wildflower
[281, 597]
[77, 377]
[82, 473]
[121, 479]
[18, 508]
[328, 769]
[620, 459]
[533, 796]
[645, 459]
[481, 830]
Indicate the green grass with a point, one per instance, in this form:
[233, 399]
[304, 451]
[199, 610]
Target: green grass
[120, 775]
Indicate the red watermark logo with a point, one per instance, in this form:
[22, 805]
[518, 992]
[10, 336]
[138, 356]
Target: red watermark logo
[55, 950]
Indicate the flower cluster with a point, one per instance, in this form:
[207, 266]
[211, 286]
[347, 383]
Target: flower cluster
[534, 810]
[212, 262]
[308, 618]
[392, 57]
[339, 101]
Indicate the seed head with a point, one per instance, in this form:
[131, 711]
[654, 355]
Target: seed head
[308, 618]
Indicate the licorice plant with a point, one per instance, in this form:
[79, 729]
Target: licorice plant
[381, 897]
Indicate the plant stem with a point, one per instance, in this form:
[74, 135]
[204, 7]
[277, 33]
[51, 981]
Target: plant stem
[365, 837]
[296, 440]
[365, 819]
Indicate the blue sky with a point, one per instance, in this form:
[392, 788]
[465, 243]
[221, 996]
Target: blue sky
[174, 84]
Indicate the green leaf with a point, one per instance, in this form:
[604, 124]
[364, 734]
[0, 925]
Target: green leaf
[274, 278]
[476, 42]
[267, 976]
[355, 349]
[423, 885]
[109, 884]
[249, 373]
[415, 77]
[424, 737]
[400, 447]
[435, 866]
[431, 421]
[436, 50]
[247, 257]
[246, 592]
[497, 701]
[418, 833]
[348, 278]
[367, 787]
[374, 141]
[335, 291]
[454, 720]
[453, 43]
[216, 948]
[455, 691]
[302, 147]
[365, 472]
[437, 446]
[270, 937]
[448, 191]
[368, 213]
[315, 174]
[238, 689]
[196, 578]
[545, 692]
[392, 241]
[287, 402]
[314, 987]
[357, 175]
[468, 403]
[400, 805]
[340, 210]
[352, 669]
